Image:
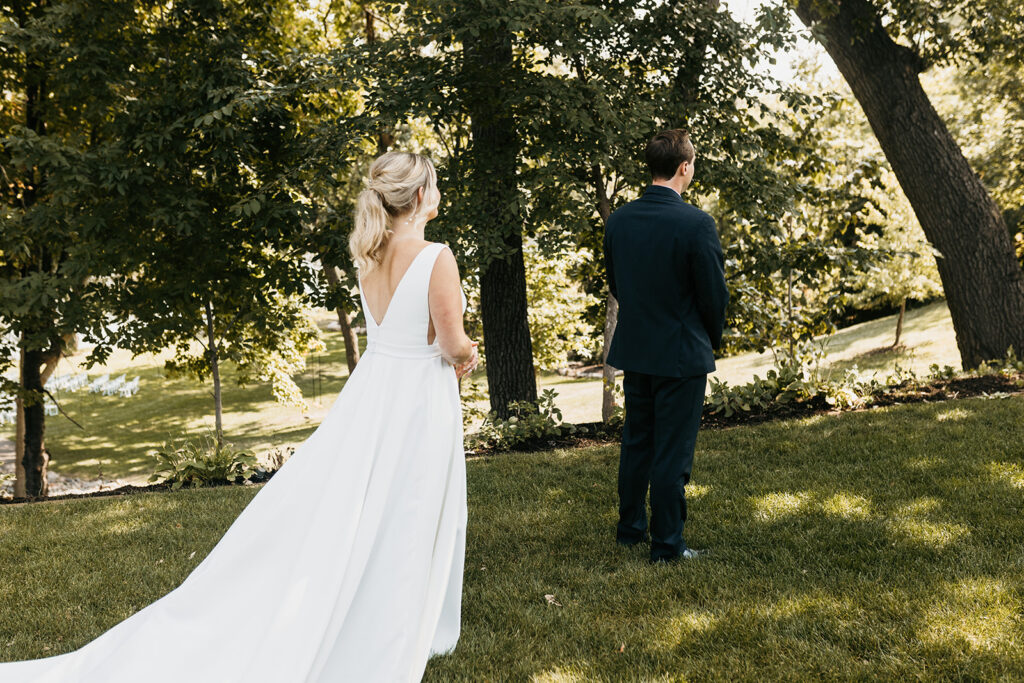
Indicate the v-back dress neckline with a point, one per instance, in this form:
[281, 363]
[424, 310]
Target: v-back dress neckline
[394, 293]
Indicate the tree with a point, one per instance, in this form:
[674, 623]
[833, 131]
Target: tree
[611, 76]
[217, 251]
[63, 63]
[982, 279]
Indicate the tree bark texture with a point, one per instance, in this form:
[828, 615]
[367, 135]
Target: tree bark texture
[983, 281]
[495, 152]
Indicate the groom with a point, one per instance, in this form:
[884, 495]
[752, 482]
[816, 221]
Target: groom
[665, 267]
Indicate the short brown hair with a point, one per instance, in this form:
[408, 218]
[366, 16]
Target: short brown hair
[666, 151]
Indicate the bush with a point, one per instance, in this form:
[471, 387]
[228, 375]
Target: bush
[531, 421]
[796, 381]
[201, 463]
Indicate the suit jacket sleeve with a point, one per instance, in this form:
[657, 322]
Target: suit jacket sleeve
[707, 263]
[609, 271]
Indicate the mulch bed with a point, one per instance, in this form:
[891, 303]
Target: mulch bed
[597, 433]
[600, 434]
[128, 489]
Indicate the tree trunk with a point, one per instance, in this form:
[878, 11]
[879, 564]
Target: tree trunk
[509, 362]
[983, 282]
[215, 371]
[611, 315]
[347, 334]
[899, 323]
[35, 459]
[611, 318]
[499, 223]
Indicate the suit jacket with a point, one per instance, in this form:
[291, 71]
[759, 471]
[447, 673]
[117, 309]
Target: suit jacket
[665, 266]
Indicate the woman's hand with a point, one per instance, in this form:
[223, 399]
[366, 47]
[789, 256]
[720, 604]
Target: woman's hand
[470, 365]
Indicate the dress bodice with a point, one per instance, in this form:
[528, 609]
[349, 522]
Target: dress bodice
[403, 329]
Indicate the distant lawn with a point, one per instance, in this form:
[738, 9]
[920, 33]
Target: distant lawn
[120, 432]
[879, 544]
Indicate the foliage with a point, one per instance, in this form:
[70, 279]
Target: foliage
[804, 381]
[792, 272]
[200, 462]
[557, 308]
[1007, 366]
[589, 84]
[471, 394]
[529, 422]
[791, 381]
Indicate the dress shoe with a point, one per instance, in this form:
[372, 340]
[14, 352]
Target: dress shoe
[688, 554]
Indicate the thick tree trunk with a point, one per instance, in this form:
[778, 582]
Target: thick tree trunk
[215, 371]
[495, 152]
[509, 363]
[347, 334]
[983, 282]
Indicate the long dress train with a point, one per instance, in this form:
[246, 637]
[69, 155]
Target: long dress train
[347, 564]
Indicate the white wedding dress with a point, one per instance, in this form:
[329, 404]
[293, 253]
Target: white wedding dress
[347, 564]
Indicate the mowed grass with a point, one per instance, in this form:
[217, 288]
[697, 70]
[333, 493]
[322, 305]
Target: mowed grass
[882, 544]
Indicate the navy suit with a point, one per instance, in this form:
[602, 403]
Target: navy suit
[665, 267]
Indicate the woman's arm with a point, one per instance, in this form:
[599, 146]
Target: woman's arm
[444, 297]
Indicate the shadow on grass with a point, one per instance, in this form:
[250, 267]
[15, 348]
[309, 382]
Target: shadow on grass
[878, 544]
[886, 544]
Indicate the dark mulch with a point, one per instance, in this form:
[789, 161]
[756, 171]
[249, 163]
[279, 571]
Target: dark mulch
[600, 434]
[129, 489]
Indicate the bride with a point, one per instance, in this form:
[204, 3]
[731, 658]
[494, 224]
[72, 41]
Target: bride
[347, 564]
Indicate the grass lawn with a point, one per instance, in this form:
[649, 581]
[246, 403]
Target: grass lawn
[879, 544]
[119, 433]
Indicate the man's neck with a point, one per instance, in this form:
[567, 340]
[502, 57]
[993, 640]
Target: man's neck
[673, 184]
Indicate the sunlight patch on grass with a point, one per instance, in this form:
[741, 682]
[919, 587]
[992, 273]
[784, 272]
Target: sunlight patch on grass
[910, 523]
[847, 506]
[815, 604]
[920, 506]
[774, 506]
[1007, 472]
[979, 612]
[555, 493]
[697, 490]
[952, 415]
[559, 675]
[925, 463]
[682, 626]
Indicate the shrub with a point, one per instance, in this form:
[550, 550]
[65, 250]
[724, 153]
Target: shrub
[529, 422]
[201, 463]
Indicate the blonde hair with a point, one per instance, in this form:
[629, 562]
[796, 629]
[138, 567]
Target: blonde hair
[395, 178]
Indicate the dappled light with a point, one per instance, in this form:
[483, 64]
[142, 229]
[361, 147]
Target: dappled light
[979, 613]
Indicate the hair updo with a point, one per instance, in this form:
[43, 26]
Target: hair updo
[395, 179]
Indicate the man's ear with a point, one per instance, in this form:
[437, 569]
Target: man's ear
[681, 171]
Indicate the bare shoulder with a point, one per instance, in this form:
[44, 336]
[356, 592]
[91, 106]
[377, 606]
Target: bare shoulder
[445, 268]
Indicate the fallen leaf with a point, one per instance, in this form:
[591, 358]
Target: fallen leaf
[192, 554]
[622, 648]
[551, 600]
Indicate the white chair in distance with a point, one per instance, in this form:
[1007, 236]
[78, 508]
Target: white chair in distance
[111, 387]
[98, 383]
[130, 388]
